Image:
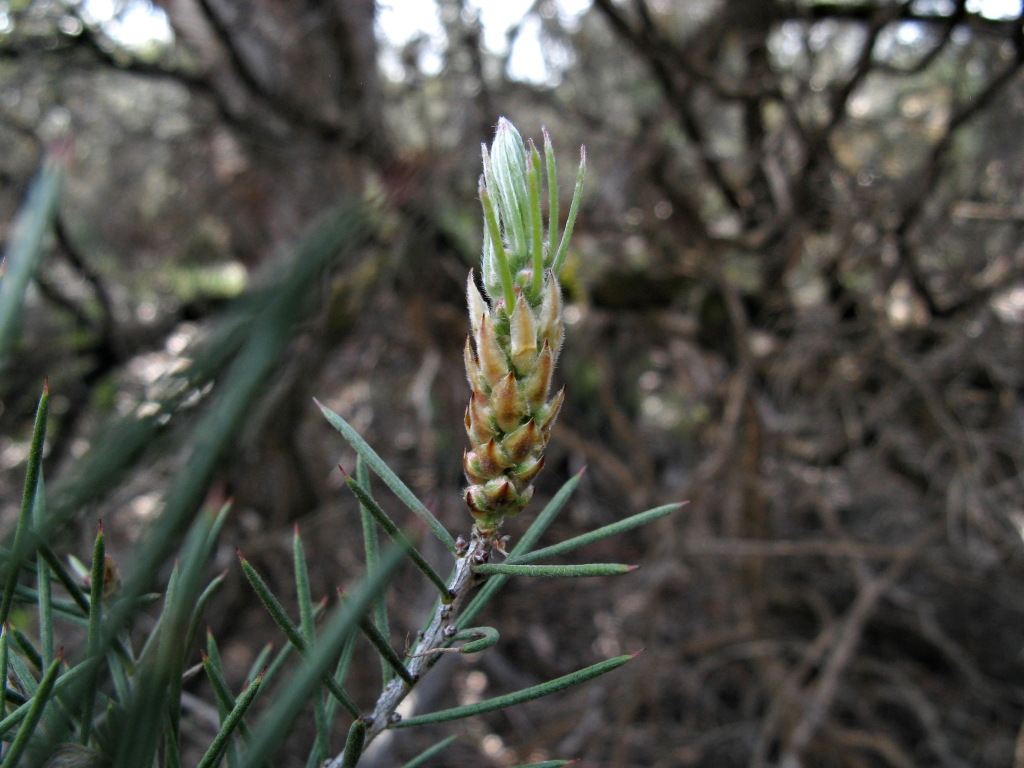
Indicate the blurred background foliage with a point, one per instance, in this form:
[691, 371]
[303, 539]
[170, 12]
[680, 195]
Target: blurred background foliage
[796, 299]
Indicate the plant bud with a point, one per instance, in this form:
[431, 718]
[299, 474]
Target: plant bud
[492, 360]
[537, 384]
[552, 328]
[522, 442]
[509, 405]
[516, 329]
[478, 420]
[524, 336]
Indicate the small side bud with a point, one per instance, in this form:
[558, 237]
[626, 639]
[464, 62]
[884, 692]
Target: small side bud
[524, 336]
[508, 404]
[552, 329]
[522, 442]
[537, 384]
[492, 360]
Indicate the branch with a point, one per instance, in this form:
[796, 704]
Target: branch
[936, 162]
[676, 81]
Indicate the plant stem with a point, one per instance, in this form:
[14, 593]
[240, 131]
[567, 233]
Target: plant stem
[433, 637]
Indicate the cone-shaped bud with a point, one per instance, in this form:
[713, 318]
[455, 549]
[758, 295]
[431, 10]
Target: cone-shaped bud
[526, 471]
[474, 375]
[552, 329]
[508, 177]
[508, 404]
[522, 442]
[487, 518]
[523, 336]
[489, 353]
[516, 330]
[474, 472]
[493, 458]
[479, 427]
[549, 413]
[501, 494]
[537, 384]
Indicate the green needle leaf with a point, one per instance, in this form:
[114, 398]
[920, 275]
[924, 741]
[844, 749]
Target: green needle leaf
[204, 598]
[384, 472]
[302, 590]
[339, 627]
[214, 671]
[354, 744]
[370, 505]
[574, 207]
[23, 534]
[66, 579]
[44, 588]
[604, 532]
[536, 219]
[29, 650]
[234, 718]
[486, 637]
[500, 256]
[371, 547]
[308, 629]
[281, 618]
[555, 571]
[33, 715]
[552, 171]
[421, 759]
[527, 694]
[73, 675]
[24, 247]
[94, 638]
[383, 647]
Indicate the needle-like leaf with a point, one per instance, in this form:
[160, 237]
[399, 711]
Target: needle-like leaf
[384, 472]
[368, 503]
[555, 571]
[388, 654]
[232, 721]
[288, 703]
[24, 248]
[281, 618]
[72, 676]
[421, 759]
[354, 744]
[518, 697]
[604, 532]
[94, 638]
[33, 714]
[306, 626]
[371, 548]
[23, 533]
[563, 247]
